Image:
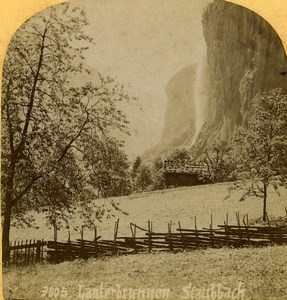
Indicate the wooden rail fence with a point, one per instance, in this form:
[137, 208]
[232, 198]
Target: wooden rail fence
[26, 252]
[146, 240]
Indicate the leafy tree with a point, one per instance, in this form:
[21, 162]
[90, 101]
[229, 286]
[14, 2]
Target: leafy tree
[136, 164]
[158, 179]
[135, 169]
[110, 170]
[179, 154]
[144, 178]
[218, 161]
[261, 149]
[48, 121]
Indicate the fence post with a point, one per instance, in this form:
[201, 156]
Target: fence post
[17, 252]
[239, 229]
[21, 252]
[226, 230]
[69, 244]
[29, 246]
[96, 241]
[211, 231]
[55, 240]
[38, 251]
[42, 250]
[181, 235]
[247, 228]
[133, 231]
[25, 253]
[33, 254]
[82, 242]
[149, 237]
[170, 236]
[196, 232]
[14, 253]
[270, 230]
[115, 236]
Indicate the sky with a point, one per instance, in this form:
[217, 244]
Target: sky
[144, 44]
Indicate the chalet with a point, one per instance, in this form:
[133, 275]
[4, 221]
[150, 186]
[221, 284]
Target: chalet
[183, 172]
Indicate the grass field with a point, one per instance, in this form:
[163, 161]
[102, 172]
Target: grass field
[262, 272]
[161, 207]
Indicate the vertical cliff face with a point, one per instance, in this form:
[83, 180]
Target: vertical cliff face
[245, 56]
[180, 113]
[186, 108]
[184, 113]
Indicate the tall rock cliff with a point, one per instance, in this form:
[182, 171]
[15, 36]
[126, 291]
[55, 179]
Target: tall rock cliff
[244, 57]
[180, 113]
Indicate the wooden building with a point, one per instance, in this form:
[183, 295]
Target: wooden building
[183, 173]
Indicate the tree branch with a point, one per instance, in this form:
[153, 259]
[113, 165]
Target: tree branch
[10, 129]
[73, 139]
[26, 60]
[36, 178]
[26, 189]
[32, 98]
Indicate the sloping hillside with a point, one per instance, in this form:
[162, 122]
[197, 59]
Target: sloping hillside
[179, 204]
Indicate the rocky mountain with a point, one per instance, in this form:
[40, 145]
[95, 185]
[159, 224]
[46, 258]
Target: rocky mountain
[207, 102]
[180, 115]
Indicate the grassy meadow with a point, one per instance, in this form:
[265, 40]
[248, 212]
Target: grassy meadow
[178, 204]
[262, 272]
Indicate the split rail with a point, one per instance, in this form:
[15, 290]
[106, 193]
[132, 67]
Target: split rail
[146, 239]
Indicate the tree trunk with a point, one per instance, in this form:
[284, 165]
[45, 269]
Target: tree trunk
[8, 201]
[264, 202]
[15, 154]
[6, 234]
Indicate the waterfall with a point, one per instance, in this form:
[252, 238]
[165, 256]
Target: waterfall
[199, 98]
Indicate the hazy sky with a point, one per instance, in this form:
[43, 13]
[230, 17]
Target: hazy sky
[144, 44]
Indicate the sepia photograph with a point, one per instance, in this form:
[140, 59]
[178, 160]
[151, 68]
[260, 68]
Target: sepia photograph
[144, 150]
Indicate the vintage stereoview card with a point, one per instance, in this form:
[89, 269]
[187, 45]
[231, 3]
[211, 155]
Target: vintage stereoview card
[144, 150]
